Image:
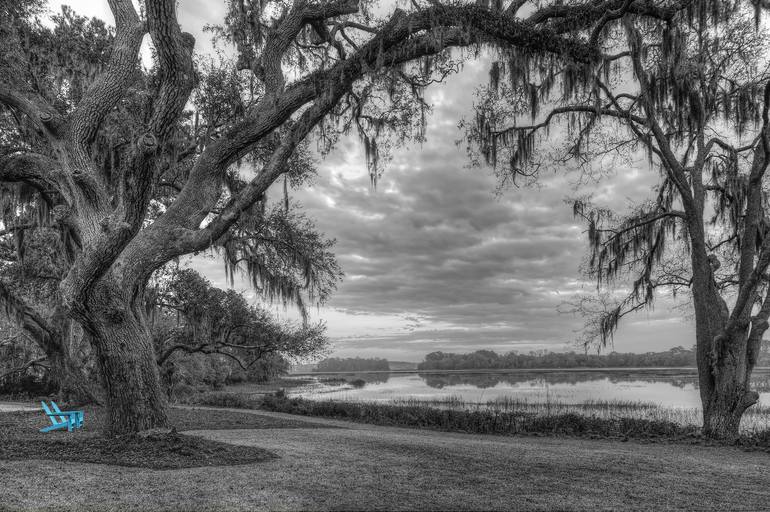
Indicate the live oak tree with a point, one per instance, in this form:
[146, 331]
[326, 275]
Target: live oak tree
[38, 248]
[692, 94]
[277, 247]
[190, 316]
[107, 141]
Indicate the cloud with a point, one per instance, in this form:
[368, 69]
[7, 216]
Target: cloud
[439, 262]
[434, 260]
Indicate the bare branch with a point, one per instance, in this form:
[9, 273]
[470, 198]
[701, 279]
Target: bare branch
[643, 222]
[31, 168]
[748, 288]
[603, 111]
[608, 16]
[177, 76]
[28, 319]
[23, 368]
[513, 9]
[42, 115]
[105, 93]
[568, 17]
[390, 47]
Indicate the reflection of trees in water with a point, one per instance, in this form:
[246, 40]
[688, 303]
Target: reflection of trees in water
[760, 381]
[488, 380]
[369, 378]
[374, 378]
[480, 380]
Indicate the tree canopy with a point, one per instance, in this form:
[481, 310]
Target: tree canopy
[190, 315]
[487, 359]
[136, 168]
[692, 93]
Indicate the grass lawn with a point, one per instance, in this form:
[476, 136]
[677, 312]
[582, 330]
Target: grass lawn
[20, 439]
[355, 466]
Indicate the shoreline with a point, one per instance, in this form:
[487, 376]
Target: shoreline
[689, 369]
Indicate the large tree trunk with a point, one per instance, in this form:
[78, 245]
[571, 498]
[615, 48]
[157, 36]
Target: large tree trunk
[724, 362]
[126, 361]
[723, 412]
[727, 396]
[724, 365]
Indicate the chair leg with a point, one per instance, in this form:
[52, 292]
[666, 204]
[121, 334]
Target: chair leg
[51, 428]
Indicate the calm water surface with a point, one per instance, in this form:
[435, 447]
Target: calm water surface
[664, 387]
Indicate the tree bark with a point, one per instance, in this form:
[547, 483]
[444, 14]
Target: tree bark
[724, 409]
[727, 395]
[724, 368]
[126, 360]
[724, 392]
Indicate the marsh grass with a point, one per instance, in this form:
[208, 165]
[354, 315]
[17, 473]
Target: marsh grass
[221, 399]
[452, 416]
[755, 420]
[593, 419]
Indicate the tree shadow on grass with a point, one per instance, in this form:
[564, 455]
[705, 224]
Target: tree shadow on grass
[20, 439]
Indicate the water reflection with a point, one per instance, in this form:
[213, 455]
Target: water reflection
[760, 381]
[367, 377]
[667, 387]
[490, 380]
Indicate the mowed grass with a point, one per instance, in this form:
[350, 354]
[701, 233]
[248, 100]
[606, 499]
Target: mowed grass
[362, 466]
[20, 439]
[367, 467]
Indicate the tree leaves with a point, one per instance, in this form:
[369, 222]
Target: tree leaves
[192, 316]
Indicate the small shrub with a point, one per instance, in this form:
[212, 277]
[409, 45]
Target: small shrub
[27, 386]
[357, 383]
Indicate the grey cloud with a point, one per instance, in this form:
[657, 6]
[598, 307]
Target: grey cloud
[434, 247]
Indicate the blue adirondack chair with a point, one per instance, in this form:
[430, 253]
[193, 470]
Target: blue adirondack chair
[62, 419]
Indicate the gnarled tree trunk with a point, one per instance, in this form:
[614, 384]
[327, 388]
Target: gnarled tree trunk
[126, 360]
[724, 389]
[725, 361]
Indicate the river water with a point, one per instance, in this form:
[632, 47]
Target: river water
[677, 388]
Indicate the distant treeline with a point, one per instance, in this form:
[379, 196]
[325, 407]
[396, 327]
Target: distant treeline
[676, 357]
[352, 364]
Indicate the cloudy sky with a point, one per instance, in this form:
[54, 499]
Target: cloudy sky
[434, 259]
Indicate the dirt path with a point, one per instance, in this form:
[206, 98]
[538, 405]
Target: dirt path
[364, 467]
[16, 406]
